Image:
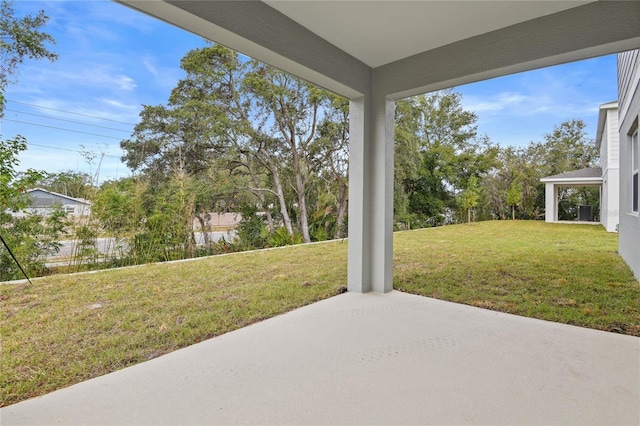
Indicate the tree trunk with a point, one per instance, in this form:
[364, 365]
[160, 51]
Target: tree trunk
[304, 219]
[342, 210]
[513, 212]
[302, 205]
[300, 189]
[260, 195]
[203, 229]
[267, 213]
[469, 216]
[283, 203]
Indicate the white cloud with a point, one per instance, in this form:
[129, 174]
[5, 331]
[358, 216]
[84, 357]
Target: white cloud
[150, 66]
[163, 77]
[70, 78]
[96, 76]
[106, 19]
[528, 104]
[125, 82]
[500, 102]
[120, 105]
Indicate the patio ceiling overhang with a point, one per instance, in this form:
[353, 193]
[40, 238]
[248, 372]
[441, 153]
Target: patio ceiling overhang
[590, 181]
[411, 47]
[374, 52]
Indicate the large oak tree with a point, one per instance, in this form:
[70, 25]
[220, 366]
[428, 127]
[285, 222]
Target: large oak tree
[277, 134]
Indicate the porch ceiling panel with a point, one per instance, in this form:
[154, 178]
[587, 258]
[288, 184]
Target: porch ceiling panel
[381, 32]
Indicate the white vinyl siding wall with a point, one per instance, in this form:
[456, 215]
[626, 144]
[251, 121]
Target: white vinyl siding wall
[609, 159]
[613, 144]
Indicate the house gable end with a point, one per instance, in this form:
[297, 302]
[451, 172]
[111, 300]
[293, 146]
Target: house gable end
[44, 199]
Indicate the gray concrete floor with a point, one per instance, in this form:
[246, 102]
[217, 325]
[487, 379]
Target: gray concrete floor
[369, 359]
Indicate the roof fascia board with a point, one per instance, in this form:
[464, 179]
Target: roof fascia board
[576, 181]
[582, 32]
[261, 32]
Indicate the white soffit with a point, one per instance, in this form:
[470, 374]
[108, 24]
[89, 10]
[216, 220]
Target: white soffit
[381, 32]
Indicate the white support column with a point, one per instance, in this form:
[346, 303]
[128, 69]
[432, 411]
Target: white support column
[551, 202]
[359, 263]
[602, 218]
[556, 202]
[382, 143]
[370, 265]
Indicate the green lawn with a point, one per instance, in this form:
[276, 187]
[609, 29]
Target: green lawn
[65, 329]
[565, 273]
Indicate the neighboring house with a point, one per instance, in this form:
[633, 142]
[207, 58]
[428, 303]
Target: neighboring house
[44, 202]
[606, 177]
[629, 111]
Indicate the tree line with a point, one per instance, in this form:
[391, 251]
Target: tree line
[236, 135]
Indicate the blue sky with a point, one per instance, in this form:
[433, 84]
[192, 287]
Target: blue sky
[112, 60]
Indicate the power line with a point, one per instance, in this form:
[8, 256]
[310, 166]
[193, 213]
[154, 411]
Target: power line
[63, 129]
[69, 112]
[68, 121]
[67, 149]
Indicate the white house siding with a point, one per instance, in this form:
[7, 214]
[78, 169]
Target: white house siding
[629, 103]
[604, 151]
[610, 160]
[613, 147]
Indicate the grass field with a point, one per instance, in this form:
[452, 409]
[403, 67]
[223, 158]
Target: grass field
[65, 329]
[565, 273]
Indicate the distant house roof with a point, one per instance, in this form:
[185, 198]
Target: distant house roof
[587, 175]
[43, 198]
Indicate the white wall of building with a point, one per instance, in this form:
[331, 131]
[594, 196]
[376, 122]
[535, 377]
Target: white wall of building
[610, 161]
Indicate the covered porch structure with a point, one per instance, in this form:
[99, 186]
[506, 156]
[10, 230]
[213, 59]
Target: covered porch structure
[591, 176]
[380, 358]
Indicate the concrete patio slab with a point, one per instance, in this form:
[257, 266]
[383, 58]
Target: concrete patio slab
[368, 359]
